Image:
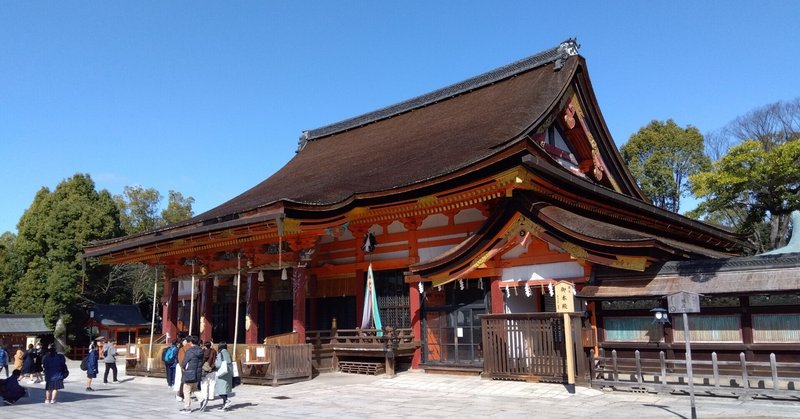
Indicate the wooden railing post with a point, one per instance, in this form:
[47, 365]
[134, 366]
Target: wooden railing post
[615, 371]
[745, 378]
[774, 370]
[715, 368]
[639, 377]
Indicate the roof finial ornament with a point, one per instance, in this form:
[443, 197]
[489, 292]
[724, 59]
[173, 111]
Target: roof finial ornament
[301, 143]
[565, 50]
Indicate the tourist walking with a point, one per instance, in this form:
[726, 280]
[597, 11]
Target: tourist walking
[178, 386]
[4, 360]
[38, 354]
[170, 359]
[192, 365]
[55, 371]
[28, 360]
[110, 359]
[92, 365]
[18, 357]
[207, 383]
[224, 376]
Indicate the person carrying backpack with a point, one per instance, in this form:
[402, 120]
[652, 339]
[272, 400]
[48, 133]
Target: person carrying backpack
[170, 358]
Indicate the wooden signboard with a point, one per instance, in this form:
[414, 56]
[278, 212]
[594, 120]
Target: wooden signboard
[565, 300]
[684, 302]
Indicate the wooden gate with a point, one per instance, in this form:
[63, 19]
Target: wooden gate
[531, 347]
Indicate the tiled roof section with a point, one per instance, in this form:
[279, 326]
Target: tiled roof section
[557, 54]
[794, 241]
[32, 324]
[411, 147]
[598, 230]
[705, 266]
[119, 315]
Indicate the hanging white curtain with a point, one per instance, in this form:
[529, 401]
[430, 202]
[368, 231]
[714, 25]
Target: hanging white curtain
[372, 316]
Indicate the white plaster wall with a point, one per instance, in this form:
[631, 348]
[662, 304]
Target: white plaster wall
[435, 220]
[426, 253]
[469, 215]
[543, 271]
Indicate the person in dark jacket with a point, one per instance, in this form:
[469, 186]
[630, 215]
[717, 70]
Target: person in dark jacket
[28, 359]
[10, 390]
[55, 371]
[170, 359]
[92, 365]
[192, 365]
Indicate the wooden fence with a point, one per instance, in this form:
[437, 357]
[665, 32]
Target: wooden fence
[530, 347]
[276, 364]
[258, 364]
[744, 379]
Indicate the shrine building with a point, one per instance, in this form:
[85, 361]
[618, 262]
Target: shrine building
[473, 199]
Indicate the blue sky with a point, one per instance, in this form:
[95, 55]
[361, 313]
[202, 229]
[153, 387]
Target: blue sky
[209, 98]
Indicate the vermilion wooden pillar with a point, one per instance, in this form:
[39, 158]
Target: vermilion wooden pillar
[415, 305]
[299, 302]
[206, 308]
[268, 308]
[312, 308]
[251, 319]
[498, 305]
[169, 317]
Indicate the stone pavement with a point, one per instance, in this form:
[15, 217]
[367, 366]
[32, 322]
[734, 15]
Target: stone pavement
[408, 395]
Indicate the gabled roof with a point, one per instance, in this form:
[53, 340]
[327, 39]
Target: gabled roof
[594, 240]
[395, 149]
[31, 324]
[413, 142]
[461, 133]
[119, 315]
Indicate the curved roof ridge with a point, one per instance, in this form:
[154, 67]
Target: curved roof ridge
[556, 54]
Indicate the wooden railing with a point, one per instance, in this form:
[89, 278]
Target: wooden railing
[291, 338]
[743, 378]
[361, 345]
[530, 347]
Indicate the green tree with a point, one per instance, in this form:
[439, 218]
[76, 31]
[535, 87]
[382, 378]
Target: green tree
[662, 156]
[178, 208]
[9, 272]
[754, 177]
[752, 189]
[139, 209]
[52, 233]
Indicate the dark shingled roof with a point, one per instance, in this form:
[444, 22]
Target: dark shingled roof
[415, 141]
[119, 315]
[32, 324]
[399, 146]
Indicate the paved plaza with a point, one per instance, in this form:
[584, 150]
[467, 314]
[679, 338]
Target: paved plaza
[408, 395]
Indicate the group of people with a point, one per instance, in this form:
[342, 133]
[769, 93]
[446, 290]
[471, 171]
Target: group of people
[195, 367]
[34, 363]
